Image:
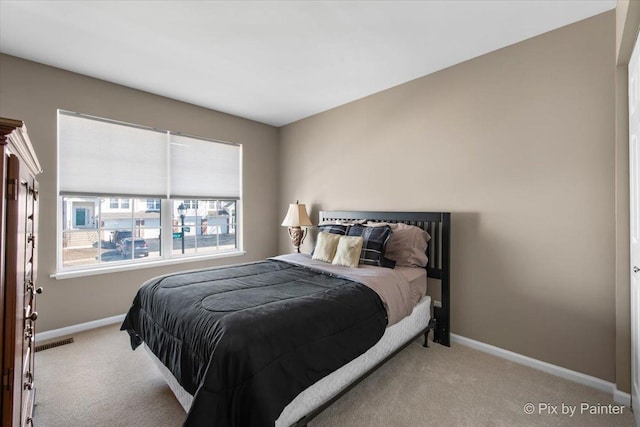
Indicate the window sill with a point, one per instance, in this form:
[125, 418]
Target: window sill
[70, 274]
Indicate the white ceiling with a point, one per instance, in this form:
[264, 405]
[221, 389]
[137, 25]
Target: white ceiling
[272, 61]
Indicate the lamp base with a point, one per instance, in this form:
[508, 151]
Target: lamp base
[297, 235]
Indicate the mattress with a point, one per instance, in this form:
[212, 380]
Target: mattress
[322, 391]
[417, 278]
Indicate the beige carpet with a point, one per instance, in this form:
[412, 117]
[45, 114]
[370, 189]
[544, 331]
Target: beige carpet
[99, 381]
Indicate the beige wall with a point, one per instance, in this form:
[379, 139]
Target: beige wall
[623, 296]
[627, 27]
[32, 92]
[519, 145]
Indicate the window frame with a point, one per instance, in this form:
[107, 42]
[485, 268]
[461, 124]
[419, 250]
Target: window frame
[166, 224]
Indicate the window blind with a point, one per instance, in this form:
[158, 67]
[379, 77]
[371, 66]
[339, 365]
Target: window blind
[204, 169]
[103, 157]
[108, 158]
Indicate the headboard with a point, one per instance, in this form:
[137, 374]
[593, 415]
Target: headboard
[438, 225]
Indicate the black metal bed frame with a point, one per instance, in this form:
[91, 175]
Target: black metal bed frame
[438, 225]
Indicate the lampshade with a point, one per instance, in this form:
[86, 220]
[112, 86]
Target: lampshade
[296, 216]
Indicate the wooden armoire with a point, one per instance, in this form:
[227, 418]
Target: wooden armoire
[18, 239]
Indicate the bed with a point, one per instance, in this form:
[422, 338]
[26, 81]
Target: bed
[290, 334]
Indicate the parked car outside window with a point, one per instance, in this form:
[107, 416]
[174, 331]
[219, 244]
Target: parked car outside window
[140, 248]
[118, 235]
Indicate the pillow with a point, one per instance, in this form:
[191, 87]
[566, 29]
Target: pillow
[348, 251]
[351, 221]
[326, 246]
[374, 240]
[407, 245]
[333, 229]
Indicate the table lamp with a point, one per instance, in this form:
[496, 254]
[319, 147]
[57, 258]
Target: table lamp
[296, 219]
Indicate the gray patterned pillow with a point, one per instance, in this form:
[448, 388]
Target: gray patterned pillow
[374, 241]
[333, 229]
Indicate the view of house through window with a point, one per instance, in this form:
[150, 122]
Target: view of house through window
[157, 195]
[94, 232]
[209, 225]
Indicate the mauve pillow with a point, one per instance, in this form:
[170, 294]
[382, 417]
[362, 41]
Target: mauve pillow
[407, 245]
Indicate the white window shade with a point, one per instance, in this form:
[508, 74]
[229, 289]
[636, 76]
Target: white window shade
[204, 169]
[101, 157]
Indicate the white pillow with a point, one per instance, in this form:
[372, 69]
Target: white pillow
[326, 246]
[348, 251]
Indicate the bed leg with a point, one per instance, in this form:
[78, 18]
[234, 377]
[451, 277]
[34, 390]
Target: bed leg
[430, 326]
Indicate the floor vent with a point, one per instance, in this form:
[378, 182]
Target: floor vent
[54, 344]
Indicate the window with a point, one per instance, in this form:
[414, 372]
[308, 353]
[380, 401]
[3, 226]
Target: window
[204, 226]
[119, 203]
[120, 187]
[106, 236]
[191, 204]
[153, 204]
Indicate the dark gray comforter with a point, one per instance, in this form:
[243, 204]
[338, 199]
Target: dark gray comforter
[245, 340]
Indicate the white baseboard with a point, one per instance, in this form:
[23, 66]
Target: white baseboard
[619, 397]
[73, 329]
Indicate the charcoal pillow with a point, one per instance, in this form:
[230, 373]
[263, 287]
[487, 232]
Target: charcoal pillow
[374, 241]
[333, 229]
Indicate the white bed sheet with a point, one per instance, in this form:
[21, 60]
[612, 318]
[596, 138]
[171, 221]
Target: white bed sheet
[322, 391]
